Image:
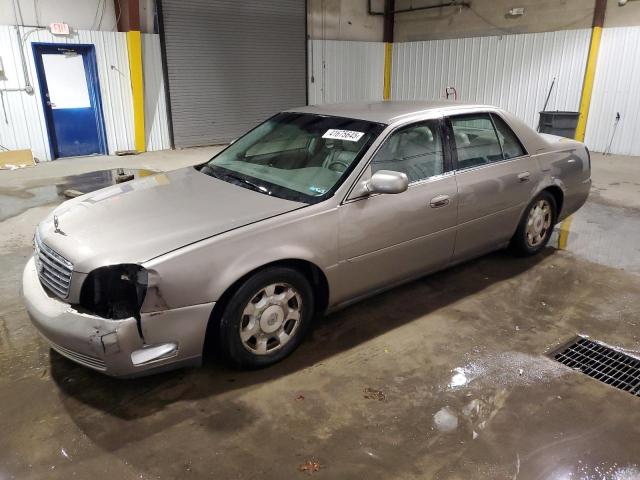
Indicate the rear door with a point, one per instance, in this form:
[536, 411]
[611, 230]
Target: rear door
[387, 238]
[495, 177]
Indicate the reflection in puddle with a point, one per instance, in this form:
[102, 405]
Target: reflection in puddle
[506, 370]
[602, 234]
[14, 202]
[459, 378]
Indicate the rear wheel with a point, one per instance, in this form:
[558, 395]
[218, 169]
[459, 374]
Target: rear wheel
[536, 225]
[266, 318]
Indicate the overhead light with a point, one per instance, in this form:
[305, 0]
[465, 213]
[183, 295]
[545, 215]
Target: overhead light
[516, 12]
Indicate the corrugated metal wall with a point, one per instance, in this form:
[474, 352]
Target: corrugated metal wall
[22, 123]
[232, 64]
[341, 71]
[616, 89]
[511, 71]
[156, 122]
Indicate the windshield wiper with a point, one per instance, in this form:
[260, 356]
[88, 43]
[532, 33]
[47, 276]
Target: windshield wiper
[249, 183]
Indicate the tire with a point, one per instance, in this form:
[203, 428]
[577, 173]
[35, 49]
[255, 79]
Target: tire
[531, 238]
[266, 318]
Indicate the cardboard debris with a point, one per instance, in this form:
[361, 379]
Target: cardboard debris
[14, 159]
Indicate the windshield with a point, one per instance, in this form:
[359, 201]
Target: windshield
[297, 156]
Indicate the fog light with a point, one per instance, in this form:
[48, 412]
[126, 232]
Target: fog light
[154, 352]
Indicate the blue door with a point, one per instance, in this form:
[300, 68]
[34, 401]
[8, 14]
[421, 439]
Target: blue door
[70, 93]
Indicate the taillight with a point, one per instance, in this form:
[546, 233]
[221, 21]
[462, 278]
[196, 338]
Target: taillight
[588, 157]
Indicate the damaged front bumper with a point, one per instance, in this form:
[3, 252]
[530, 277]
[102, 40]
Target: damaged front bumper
[166, 339]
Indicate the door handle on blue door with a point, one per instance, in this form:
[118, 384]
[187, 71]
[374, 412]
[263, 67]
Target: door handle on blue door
[439, 201]
[524, 176]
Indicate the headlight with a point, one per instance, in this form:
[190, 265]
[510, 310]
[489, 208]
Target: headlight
[115, 292]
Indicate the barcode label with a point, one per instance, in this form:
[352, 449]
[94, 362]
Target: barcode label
[347, 135]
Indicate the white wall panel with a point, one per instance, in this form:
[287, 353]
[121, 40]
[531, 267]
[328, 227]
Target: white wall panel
[616, 89]
[343, 71]
[511, 71]
[22, 123]
[156, 122]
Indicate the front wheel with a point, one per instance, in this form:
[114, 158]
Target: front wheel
[266, 318]
[536, 225]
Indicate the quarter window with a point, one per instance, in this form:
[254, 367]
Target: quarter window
[476, 140]
[415, 150]
[511, 146]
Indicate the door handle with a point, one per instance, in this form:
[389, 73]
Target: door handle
[439, 201]
[524, 176]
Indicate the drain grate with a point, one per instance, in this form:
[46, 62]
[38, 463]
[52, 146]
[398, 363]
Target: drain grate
[602, 363]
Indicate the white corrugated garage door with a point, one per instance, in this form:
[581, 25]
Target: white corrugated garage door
[231, 64]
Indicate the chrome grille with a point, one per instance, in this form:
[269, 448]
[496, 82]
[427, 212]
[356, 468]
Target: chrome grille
[53, 269]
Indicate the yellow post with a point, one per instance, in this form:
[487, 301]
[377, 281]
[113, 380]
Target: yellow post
[587, 88]
[563, 237]
[388, 52]
[137, 87]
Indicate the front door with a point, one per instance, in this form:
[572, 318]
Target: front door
[388, 238]
[70, 94]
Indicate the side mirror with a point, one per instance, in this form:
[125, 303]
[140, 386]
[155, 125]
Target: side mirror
[387, 181]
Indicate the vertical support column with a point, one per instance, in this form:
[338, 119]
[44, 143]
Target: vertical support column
[590, 73]
[134, 44]
[389, 7]
[128, 12]
[388, 56]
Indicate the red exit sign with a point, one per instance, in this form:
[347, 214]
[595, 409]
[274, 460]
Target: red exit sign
[59, 28]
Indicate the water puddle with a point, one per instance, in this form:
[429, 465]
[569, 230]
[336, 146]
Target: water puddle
[14, 202]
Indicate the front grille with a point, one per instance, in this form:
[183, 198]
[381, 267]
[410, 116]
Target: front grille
[602, 363]
[53, 269]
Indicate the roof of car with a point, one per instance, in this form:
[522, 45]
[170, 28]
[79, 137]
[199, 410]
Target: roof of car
[385, 112]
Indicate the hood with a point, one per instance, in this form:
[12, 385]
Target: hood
[136, 221]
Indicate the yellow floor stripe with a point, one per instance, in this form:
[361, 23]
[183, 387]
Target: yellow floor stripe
[565, 228]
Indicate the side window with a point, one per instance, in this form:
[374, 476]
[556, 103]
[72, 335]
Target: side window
[415, 150]
[476, 140]
[511, 146]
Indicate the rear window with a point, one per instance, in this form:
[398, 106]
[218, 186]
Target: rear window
[476, 140]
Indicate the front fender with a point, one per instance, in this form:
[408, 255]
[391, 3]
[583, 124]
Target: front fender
[202, 272]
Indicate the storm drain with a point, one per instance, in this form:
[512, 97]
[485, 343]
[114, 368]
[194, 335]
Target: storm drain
[602, 363]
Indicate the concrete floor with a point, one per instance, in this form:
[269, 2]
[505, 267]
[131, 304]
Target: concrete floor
[445, 377]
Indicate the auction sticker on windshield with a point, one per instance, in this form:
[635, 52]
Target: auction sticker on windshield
[348, 135]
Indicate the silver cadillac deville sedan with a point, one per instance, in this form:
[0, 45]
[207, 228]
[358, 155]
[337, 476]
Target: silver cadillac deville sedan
[313, 209]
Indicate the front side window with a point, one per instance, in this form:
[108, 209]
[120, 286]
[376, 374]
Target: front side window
[297, 156]
[415, 150]
[476, 140]
[511, 146]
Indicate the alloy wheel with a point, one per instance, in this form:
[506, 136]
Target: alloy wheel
[538, 223]
[271, 318]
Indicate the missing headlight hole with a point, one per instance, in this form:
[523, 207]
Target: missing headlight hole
[115, 292]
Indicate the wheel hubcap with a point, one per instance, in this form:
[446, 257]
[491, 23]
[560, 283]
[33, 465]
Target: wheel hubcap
[270, 319]
[538, 223]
